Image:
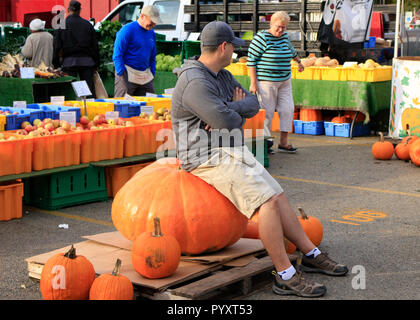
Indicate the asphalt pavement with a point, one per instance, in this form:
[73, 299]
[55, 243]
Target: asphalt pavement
[369, 210]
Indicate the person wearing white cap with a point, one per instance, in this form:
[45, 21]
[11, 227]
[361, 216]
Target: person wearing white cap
[135, 55]
[38, 47]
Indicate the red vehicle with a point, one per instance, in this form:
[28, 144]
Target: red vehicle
[24, 11]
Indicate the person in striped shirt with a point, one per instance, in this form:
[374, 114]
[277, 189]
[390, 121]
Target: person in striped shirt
[269, 56]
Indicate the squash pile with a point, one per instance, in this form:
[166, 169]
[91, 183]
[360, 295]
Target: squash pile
[10, 68]
[312, 61]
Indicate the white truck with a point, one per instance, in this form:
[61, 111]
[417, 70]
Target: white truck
[171, 13]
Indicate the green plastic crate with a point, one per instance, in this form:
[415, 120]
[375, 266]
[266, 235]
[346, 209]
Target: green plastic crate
[13, 33]
[171, 48]
[190, 49]
[160, 37]
[67, 188]
[251, 144]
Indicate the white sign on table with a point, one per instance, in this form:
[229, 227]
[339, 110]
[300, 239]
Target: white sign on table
[81, 88]
[151, 95]
[57, 100]
[69, 116]
[128, 97]
[19, 104]
[147, 109]
[27, 73]
[112, 115]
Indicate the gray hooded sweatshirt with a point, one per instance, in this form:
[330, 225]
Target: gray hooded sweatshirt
[202, 97]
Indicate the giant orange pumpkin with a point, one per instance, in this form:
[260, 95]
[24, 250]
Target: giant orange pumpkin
[382, 150]
[112, 286]
[67, 276]
[312, 227]
[155, 255]
[194, 212]
[253, 233]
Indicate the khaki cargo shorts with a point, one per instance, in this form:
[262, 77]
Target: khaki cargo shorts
[237, 174]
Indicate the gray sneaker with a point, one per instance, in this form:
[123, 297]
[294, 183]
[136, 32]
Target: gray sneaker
[298, 286]
[323, 264]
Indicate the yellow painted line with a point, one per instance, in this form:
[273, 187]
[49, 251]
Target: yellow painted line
[408, 194]
[75, 217]
[339, 221]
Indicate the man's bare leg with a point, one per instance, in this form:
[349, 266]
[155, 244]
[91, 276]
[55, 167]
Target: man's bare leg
[277, 220]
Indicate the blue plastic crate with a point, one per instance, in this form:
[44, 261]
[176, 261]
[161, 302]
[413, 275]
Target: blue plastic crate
[126, 108]
[10, 119]
[48, 112]
[343, 129]
[58, 109]
[14, 124]
[308, 127]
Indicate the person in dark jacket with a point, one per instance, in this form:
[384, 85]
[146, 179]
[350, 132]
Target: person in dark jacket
[76, 48]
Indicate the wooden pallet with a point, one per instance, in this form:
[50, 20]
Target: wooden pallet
[232, 273]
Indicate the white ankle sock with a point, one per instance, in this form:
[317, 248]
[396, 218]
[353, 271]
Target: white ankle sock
[288, 273]
[313, 253]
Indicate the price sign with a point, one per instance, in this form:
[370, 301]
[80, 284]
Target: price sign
[128, 97]
[57, 100]
[27, 73]
[19, 104]
[147, 109]
[169, 91]
[152, 95]
[69, 116]
[81, 89]
[112, 115]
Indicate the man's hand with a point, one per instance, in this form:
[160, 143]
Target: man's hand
[238, 94]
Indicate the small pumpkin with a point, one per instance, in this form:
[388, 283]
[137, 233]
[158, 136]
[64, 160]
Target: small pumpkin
[155, 255]
[112, 286]
[382, 150]
[312, 227]
[351, 114]
[415, 152]
[67, 276]
[310, 115]
[253, 233]
[341, 119]
[402, 149]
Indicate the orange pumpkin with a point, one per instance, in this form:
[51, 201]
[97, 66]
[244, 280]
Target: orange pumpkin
[382, 150]
[312, 227]
[67, 276]
[402, 150]
[351, 114]
[194, 212]
[310, 115]
[112, 286]
[415, 152]
[341, 119]
[155, 255]
[253, 233]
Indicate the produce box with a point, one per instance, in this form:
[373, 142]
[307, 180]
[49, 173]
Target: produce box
[102, 144]
[126, 108]
[47, 111]
[15, 155]
[307, 74]
[171, 48]
[93, 108]
[157, 103]
[56, 151]
[146, 137]
[14, 121]
[117, 176]
[67, 188]
[308, 127]
[383, 73]
[11, 194]
[343, 129]
[238, 69]
[331, 73]
[190, 49]
[254, 123]
[2, 122]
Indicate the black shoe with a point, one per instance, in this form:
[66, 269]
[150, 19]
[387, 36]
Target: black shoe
[270, 144]
[289, 149]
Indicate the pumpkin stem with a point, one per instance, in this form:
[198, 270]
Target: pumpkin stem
[408, 140]
[302, 214]
[381, 136]
[116, 271]
[71, 253]
[157, 232]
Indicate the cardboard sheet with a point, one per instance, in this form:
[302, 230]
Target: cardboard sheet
[241, 248]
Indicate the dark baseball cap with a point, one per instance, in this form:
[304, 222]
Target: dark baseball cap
[216, 32]
[75, 5]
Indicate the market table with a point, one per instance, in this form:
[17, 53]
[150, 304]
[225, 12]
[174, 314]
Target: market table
[34, 90]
